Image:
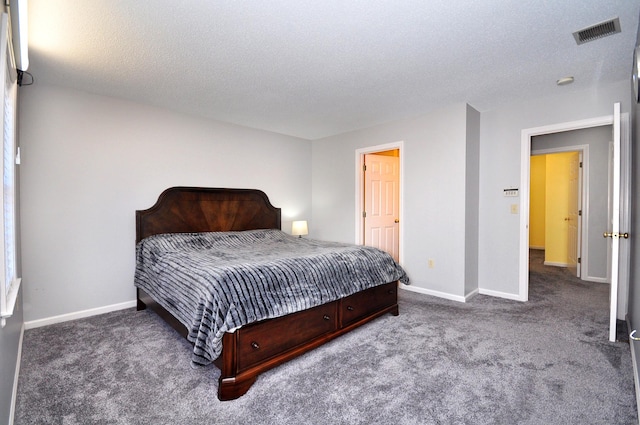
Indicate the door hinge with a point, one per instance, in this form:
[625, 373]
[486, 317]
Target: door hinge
[364, 167]
[580, 213]
[579, 260]
[364, 214]
[580, 164]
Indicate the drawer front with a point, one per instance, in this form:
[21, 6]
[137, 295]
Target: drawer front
[368, 301]
[263, 340]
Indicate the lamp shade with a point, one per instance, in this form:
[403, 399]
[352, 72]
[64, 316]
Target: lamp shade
[299, 228]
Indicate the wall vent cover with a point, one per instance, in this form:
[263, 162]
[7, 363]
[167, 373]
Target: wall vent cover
[597, 31]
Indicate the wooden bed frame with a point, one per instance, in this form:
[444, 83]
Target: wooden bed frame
[260, 346]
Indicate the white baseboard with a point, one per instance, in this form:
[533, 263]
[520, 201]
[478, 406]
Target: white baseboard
[499, 294]
[551, 263]
[597, 279]
[438, 294]
[471, 294]
[14, 393]
[78, 315]
[462, 299]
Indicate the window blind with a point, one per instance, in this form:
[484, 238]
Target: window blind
[8, 180]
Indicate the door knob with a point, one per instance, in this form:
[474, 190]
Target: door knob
[396, 221]
[616, 235]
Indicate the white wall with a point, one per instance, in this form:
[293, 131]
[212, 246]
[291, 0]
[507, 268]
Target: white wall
[88, 162]
[634, 281]
[436, 192]
[500, 133]
[633, 318]
[9, 348]
[434, 199]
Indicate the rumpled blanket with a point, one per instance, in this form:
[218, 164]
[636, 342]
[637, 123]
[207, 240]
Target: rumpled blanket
[217, 282]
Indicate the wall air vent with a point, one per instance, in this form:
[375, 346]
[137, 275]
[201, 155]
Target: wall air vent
[600, 30]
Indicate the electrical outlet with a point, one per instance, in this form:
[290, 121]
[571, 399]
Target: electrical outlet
[430, 263]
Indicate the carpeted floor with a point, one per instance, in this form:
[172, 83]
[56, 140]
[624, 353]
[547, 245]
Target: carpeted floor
[489, 361]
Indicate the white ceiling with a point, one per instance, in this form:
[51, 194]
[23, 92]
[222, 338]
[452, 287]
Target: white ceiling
[314, 68]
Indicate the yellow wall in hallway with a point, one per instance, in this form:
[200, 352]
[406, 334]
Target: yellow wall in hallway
[537, 203]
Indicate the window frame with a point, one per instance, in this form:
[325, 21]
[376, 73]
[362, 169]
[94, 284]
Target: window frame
[8, 235]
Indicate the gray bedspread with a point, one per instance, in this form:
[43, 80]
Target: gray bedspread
[217, 282]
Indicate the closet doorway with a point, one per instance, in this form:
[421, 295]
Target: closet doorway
[379, 198]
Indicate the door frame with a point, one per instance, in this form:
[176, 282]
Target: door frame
[583, 248]
[359, 190]
[525, 153]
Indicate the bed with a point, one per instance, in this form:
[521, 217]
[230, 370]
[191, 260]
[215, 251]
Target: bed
[270, 317]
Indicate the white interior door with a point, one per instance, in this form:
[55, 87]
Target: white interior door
[574, 217]
[613, 233]
[381, 200]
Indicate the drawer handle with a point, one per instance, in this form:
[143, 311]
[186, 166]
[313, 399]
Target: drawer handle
[255, 345]
[350, 308]
[325, 317]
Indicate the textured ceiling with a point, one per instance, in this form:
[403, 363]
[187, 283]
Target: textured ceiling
[313, 68]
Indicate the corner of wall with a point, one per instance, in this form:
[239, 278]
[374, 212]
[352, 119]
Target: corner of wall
[472, 200]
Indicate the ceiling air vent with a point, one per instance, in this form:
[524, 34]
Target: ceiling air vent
[600, 30]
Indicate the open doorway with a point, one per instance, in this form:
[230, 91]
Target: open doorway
[590, 218]
[620, 124]
[557, 215]
[379, 198]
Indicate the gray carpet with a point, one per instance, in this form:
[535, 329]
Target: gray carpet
[490, 361]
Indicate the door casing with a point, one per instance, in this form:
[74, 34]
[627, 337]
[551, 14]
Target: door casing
[525, 153]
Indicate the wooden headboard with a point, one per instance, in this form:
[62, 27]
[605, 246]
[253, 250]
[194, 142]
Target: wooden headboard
[199, 209]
